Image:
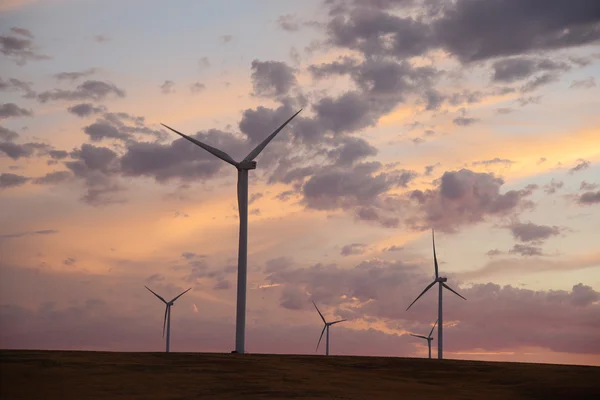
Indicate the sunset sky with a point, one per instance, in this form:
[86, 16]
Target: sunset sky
[476, 118]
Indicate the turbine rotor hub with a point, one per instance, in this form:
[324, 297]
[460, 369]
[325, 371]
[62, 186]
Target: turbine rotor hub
[247, 165]
[440, 279]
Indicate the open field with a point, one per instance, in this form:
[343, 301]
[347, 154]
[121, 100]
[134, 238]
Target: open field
[82, 375]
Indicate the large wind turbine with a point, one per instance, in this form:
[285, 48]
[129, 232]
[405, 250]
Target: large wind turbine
[442, 284]
[327, 325]
[428, 338]
[243, 167]
[167, 321]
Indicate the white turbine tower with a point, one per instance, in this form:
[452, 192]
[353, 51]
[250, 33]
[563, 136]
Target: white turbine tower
[167, 321]
[243, 167]
[442, 284]
[327, 325]
[429, 338]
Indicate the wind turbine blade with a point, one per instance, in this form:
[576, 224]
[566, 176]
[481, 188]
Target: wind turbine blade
[434, 255]
[432, 328]
[452, 290]
[322, 317]
[336, 322]
[422, 293]
[165, 321]
[216, 152]
[254, 153]
[161, 299]
[321, 337]
[180, 295]
[419, 336]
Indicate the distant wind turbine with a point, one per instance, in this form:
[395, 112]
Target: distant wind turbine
[243, 167]
[428, 338]
[167, 321]
[327, 325]
[442, 284]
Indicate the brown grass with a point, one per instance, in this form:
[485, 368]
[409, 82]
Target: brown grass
[97, 375]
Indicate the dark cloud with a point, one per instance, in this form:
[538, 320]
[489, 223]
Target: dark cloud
[88, 90]
[351, 150]
[589, 198]
[464, 121]
[526, 250]
[464, 197]
[542, 160]
[583, 164]
[493, 162]
[58, 154]
[29, 233]
[86, 109]
[167, 87]
[353, 249]
[529, 232]
[14, 84]
[69, 261]
[197, 87]
[6, 135]
[19, 49]
[288, 22]
[179, 159]
[22, 32]
[53, 178]
[11, 110]
[97, 167]
[272, 78]
[16, 151]
[493, 252]
[586, 83]
[225, 38]
[8, 180]
[254, 197]
[523, 101]
[394, 248]
[504, 110]
[73, 76]
[541, 80]
[514, 69]
[104, 130]
[553, 186]
[475, 30]
[588, 186]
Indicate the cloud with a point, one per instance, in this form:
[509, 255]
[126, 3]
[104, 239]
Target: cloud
[541, 80]
[167, 87]
[17, 151]
[14, 84]
[86, 109]
[586, 83]
[8, 180]
[53, 178]
[88, 90]
[19, 49]
[104, 130]
[530, 232]
[29, 233]
[526, 250]
[464, 121]
[493, 252]
[204, 62]
[225, 38]
[588, 186]
[351, 151]
[69, 261]
[197, 87]
[493, 161]
[288, 22]
[583, 164]
[272, 78]
[11, 110]
[73, 76]
[514, 69]
[101, 38]
[588, 198]
[464, 197]
[353, 249]
[6, 135]
[553, 186]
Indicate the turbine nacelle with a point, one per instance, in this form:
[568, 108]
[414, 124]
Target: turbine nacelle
[440, 279]
[247, 165]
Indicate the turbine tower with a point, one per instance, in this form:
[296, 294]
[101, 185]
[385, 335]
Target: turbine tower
[429, 338]
[327, 325]
[167, 321]
[243, 167]
[441, 281]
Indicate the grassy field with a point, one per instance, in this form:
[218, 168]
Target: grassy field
[98, 375]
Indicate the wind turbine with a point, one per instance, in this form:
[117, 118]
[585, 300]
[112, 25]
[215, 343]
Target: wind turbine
[327, 325]
[243, 167]
[428, 338]
[167, 321]
[442, 284]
